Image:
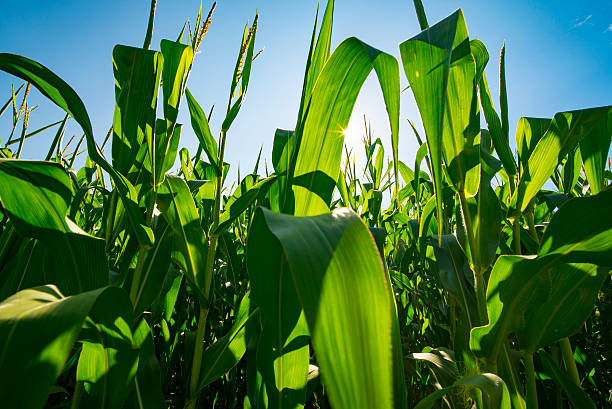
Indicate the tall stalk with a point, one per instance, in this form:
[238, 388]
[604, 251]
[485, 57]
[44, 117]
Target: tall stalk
[210, 262]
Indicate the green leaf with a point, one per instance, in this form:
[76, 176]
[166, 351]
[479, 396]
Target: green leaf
[244, 196]
[565, 131]
[147, 391]
[500, 140]
[200, 126]
[332, 259]
[491, 385]
[321, 138]
[178, 208]
[58, 91]
[529, 131]
[108, 361]
[317, 57]
[38, 328]
[456, 276]
[577, 397]
[36, 197]
[137, 74]
[545, 298]
[594, 148]
[154, 269]
[225, 353]
[442, 72]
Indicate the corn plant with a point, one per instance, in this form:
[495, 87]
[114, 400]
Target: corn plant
[459, 280]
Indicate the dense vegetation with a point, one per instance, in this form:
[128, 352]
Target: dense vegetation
[485, 282]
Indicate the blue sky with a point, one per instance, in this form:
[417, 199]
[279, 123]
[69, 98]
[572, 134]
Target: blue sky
[558, 57]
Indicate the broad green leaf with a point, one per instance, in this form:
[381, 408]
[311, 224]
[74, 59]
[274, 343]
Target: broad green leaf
[594, 148]
[332, 259]
[154, 269]
[166, 148]
[571, 171]
[566, 130]
[581, 231]
[137, 75]
[36, 197]
[58, 91]
[147, 391]
[321, 138]
[491, 385]
[38, 328]
[442, 362]
[177, 60]
[108, 361]
[225, 353]
[545, 298]
[442, 72]
[178, 208]
[529, 131]
[244, 196]
[282, 352]
[457, 278]
[200, 126]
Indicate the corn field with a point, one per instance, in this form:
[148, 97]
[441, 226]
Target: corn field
[476, 277]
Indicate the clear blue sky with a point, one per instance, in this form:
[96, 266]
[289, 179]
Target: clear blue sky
[558, 57]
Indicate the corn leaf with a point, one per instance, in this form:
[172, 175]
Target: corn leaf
[490, 384]
[548, 297]
[38, 328]
[442, 72]
[321, 139]
[108, 360]
[594, 149]
[137, 76]
[179, 209]
[36, 196]
[331, 259]
[58, 91]
[225, 353]
[565, 131]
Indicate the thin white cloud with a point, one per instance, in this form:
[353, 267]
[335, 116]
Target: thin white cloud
[581, 23]
[609, 28]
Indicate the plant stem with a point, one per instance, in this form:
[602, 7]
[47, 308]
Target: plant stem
[532, 392]
[476, 267]
[568, 360]
[142, 252]
[516, 232]
[531, 221]
[210, 262]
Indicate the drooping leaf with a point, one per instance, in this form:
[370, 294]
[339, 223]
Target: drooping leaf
[200, 126]
[244, 196]
[490, 384]
[36, 196]
[442, 72]
[178, 208]
[320, 140]
[225, 353]
[332, 259]
[565, 131]
[38, 328]
[58, 91]
[108, 360]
